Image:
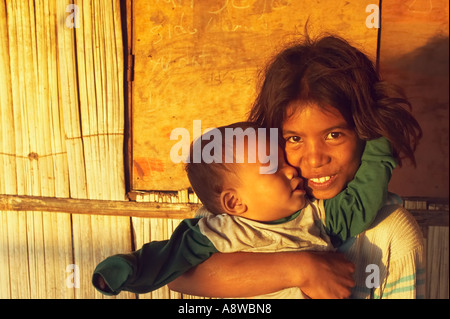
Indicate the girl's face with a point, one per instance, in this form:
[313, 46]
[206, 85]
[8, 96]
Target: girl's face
[323, 146]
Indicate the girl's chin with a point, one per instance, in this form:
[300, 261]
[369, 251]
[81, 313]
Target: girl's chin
[323, 193]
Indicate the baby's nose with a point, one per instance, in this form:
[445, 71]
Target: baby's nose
[290, 171]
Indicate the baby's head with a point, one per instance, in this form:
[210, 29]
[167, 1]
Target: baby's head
[244, 173]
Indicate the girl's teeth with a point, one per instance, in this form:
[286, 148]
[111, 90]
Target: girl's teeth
[321, 179]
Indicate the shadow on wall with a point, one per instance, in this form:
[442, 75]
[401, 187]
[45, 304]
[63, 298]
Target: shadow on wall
[424, 75]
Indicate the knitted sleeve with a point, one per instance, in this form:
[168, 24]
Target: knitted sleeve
[388, 257]
[405, 278]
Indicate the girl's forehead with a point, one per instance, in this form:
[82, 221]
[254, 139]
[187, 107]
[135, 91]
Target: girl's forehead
[299, 109]
[311, 116]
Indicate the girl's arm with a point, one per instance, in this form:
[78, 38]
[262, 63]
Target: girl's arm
[318, 274]
[354, 209]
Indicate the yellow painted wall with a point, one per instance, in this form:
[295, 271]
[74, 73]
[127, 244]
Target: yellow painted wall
[199, 60]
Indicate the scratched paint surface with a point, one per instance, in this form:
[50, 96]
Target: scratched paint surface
[199, 60]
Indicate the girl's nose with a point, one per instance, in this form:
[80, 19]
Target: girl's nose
[315, 156]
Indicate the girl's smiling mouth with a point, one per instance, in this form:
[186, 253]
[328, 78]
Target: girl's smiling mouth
[321, 182]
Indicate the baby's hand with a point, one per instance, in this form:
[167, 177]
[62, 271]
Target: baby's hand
[101, 284]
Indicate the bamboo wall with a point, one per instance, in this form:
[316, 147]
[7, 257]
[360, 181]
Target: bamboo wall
[62, 132]
[61, 135]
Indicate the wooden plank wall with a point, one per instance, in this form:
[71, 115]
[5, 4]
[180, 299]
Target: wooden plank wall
[414, 54]
[437, 257]
[432, 216]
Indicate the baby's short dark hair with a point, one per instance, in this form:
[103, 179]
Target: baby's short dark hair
[208, 177]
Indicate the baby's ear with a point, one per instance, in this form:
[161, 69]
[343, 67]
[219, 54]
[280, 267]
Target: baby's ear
[231, 202]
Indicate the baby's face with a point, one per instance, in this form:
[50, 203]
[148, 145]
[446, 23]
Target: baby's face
[273, 196]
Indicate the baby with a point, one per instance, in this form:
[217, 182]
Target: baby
[251, 211]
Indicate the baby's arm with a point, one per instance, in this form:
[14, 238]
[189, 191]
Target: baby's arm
[354, 209]
[156, 263]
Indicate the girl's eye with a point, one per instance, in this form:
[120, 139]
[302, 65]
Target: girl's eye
[293, 139]
[333, 135]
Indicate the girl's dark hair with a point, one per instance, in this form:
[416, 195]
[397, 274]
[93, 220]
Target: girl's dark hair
[330, 72]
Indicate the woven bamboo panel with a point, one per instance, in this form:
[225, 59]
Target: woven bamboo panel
[36, 246]
[437, 256]
[151, 229]
[199, 60]
[62, 111]
[95, 131]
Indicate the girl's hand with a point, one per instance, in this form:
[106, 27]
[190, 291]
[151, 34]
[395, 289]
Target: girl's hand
[326, 275]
